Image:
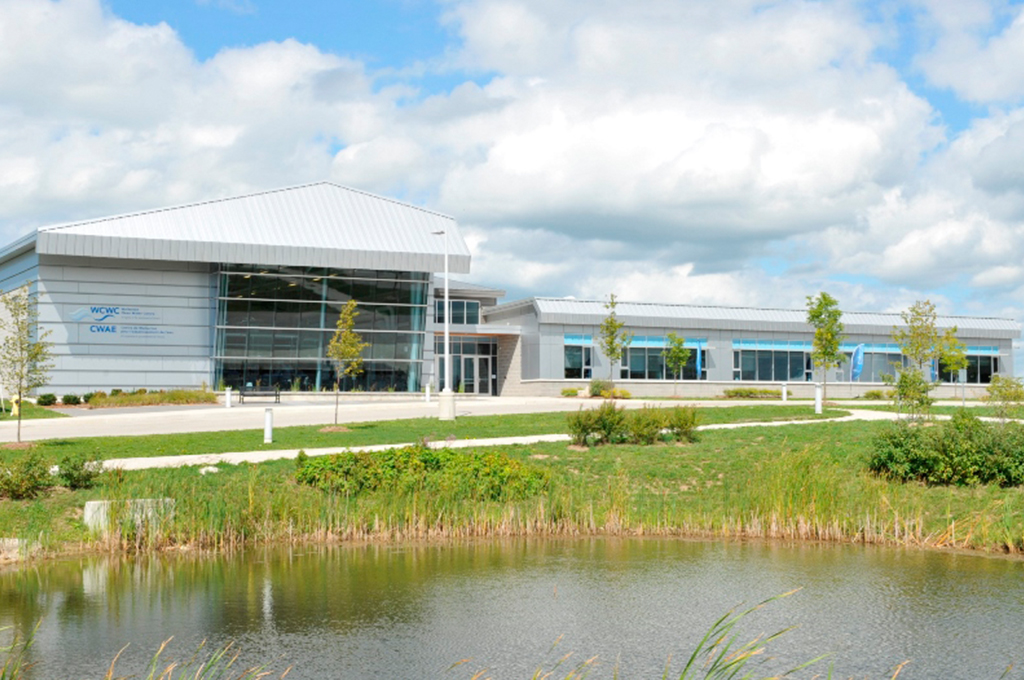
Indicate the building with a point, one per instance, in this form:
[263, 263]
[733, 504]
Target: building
[558, 347]
[240, 291]
[246, 291]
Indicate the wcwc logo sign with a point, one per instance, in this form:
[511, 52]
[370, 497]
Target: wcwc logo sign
[95, 313]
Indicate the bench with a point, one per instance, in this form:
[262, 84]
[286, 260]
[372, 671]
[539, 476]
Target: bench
[274, 392]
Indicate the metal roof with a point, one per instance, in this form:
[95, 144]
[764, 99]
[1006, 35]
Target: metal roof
[652, 315]
[466, 288]
[317, 225]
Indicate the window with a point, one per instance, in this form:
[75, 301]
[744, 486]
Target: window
[770, 365]
[463, 311]
[648, 363]
[577, 362]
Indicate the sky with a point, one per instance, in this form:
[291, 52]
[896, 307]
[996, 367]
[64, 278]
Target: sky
[736, 152]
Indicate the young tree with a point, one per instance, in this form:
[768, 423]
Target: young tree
[922, 345]
[346, 349]
[614, 338]
[676, 355]
[824, 315]
[24, 350]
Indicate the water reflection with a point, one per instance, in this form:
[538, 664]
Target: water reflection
[411, 611]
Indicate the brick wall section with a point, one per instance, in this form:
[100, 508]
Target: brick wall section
[510, 362]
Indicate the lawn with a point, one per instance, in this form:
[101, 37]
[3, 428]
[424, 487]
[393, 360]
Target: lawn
[29, 411]
[360, 434]
[805, 482]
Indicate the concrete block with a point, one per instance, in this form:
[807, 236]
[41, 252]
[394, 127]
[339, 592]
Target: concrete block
[143, 513]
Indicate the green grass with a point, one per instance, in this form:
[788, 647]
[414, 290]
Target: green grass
[978, 409]
[361, 434]
[29, 412]
[796, 482]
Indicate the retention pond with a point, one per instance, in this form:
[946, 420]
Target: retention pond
[412, 611]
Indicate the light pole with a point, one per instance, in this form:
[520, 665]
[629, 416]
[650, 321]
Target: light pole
[446, 399]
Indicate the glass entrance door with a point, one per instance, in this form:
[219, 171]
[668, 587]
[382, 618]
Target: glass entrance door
[469, 374]
[484, 376]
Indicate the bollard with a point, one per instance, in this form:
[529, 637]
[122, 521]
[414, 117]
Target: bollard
[785, 395]
[268, 426]
[426, 395]
[227, 397]
[817, 398]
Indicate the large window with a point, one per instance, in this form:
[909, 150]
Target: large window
[647, 362]
[980, 369]
[771, 365]
[578, 362]
[274, 325]
[463, 311]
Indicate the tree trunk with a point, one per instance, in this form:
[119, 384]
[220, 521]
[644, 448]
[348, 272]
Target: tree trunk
[21, 407]
[337, 397]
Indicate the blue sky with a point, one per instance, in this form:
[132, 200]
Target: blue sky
[735, 152]
[383, 33]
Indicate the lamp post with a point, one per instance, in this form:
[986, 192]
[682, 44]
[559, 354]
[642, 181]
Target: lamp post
[446, 399]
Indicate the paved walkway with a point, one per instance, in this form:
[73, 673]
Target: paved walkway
[237, 457]
[215, 418]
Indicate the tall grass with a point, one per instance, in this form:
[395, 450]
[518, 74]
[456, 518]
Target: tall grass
[807, 482]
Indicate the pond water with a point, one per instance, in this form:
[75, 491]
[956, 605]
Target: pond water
[411, 611]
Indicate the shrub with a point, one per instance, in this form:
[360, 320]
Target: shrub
[47, 399]
[445, 473]
[116, 391]
[1006, 395]
[76, 472]
[87, 397]
[598, 386]
[24, 478]
[570, 392]
[962, 451]
[682, 422]
[616, 393]
[645, 425]
[141, 390]
[900, 452]
[751, 393]
[610, 422]
[71, 400]
[877, 395]
[581, 425]
[101, 400]
[959, 451]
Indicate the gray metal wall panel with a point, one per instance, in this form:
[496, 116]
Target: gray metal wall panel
[160, 334]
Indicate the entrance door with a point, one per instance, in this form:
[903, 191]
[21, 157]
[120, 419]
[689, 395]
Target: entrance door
[469, 374]
[484, 376]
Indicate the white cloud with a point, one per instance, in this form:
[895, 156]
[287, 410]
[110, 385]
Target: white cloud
[664, 148]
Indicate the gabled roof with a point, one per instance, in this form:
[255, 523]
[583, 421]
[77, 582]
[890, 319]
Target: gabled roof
[317, 225]
[692, 317]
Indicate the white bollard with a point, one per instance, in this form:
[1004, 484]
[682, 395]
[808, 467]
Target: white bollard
[817, 398]
[268, 426]
[426, 395]
[227, 397]
[785, 395]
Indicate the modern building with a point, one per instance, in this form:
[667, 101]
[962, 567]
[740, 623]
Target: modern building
[558, 347]
[246, 291]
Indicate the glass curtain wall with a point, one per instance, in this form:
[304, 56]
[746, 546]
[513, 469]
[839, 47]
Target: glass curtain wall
[274, 325]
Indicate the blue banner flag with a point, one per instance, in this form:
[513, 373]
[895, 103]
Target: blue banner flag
[698, 360]
[857, 362]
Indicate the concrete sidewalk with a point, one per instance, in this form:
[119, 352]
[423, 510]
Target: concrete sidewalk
[215, 418]
[237, 457]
